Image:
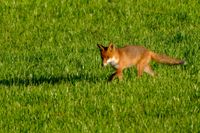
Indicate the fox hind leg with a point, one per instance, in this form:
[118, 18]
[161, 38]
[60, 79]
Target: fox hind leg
[144, 64]
[149, 70]
[140, 70]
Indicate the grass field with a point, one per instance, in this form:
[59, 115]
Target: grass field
[51, 78]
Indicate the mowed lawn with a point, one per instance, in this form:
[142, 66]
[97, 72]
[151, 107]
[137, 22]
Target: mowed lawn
[51, 78]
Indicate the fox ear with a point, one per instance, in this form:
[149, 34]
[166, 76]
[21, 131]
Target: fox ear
[101, 47]
[111, 47]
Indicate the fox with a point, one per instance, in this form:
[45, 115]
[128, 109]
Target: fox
[132, 55]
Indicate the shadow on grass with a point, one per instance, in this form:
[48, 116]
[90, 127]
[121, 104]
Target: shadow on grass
[69, 78]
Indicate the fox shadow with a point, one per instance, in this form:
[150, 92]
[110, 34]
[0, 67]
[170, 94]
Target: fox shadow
[35, 81]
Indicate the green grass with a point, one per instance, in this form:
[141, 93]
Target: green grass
[51, 79]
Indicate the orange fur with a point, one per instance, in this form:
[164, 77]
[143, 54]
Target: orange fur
[139, 56]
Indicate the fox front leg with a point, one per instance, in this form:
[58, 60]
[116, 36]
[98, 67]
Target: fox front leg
[118, 74]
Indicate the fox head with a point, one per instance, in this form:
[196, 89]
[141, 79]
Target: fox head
[107, 55]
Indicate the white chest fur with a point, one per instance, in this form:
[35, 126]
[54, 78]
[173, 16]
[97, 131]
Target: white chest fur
[113, 61]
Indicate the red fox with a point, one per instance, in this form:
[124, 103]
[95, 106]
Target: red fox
[139, 56]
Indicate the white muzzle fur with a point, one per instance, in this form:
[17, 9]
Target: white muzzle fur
[112, 61]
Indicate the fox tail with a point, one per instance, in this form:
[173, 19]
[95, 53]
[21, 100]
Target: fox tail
[166, 59]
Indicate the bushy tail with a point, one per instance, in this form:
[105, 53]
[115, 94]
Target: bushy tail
[166, 59]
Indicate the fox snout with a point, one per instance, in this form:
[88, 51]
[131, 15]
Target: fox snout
[112, 61]
[104, 63]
